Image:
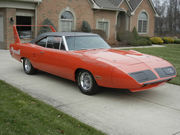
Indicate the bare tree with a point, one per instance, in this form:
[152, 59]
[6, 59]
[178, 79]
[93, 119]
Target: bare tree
[168, 21]
[160, 21]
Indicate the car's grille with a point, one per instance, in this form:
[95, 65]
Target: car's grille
[165, 72]
[143, 76]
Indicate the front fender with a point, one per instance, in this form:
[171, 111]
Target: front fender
[122, 80]
[101, 70]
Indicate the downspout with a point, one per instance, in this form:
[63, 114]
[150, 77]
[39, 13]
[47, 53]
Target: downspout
[130, 22]
[36, 12]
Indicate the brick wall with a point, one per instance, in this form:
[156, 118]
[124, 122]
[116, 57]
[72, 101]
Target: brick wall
[145, 5]
[51, 10]
[82, 11]
[9, 36]
[109, 16]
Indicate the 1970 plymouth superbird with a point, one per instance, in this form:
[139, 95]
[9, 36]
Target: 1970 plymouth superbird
[88, 60]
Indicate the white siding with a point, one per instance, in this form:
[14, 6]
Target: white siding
[1, 29]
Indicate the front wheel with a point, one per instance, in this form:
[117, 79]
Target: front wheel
[87, 83]
[28, 68]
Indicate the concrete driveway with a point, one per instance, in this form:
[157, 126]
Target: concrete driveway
[115, 112]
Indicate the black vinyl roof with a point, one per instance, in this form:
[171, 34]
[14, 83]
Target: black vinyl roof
[72, 34]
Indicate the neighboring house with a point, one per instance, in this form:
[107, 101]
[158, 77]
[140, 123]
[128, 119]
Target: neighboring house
[67, 15]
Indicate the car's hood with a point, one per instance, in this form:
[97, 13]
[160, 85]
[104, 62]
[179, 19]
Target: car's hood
[128, 61]
[120, 56]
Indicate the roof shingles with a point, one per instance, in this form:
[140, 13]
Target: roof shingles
[134, 3]
[114, 4]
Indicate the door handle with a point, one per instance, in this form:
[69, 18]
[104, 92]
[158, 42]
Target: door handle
[41, 52]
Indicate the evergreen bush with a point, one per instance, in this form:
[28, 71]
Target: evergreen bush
[85, 27]
[46, 29]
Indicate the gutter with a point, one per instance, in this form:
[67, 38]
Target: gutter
[29, 1]
[109, 9]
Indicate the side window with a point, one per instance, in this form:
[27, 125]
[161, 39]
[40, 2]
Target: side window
[54, 42]
[42, 42]
[50, 42]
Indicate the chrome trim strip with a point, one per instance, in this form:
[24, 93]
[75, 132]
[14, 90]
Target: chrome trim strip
[65, 43]
[158, 81]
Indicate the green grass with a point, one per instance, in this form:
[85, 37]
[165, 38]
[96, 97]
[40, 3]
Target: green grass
[21, 114]
[170, 53]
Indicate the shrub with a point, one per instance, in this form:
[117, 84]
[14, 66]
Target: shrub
[177, 41]
[156, 40]
[125, 36]
[132, 38]
[46, 29]
[100, 32]
[85, 27]
[140, 42]
[135, 33]
[168, 40]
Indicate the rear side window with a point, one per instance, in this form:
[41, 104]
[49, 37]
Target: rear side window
[42, 42]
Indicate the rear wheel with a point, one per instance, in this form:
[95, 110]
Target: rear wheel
[28, 68]
[86, 82]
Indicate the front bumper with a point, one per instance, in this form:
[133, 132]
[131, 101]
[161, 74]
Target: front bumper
[150, 85]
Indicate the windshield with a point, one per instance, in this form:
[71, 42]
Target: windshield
[86, 42]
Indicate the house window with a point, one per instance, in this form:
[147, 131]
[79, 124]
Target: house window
[104, 26]
[1, 29]
[66, 21]
[142, 22]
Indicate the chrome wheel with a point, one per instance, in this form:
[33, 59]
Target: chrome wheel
[27, 65]
[86, 81]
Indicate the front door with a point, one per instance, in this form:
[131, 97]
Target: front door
[53, 57]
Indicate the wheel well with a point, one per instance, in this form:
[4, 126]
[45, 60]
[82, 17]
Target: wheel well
[80, 69]
[77, 71]
[22, 59]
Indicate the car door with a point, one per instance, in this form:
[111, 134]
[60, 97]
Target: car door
[37, 54]
[54, 57]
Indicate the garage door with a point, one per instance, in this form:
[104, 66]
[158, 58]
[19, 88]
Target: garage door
[1, 29]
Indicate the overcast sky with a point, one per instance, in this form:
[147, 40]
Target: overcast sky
[162, 0]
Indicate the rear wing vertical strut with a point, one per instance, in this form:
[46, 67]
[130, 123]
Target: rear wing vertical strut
[16, 35]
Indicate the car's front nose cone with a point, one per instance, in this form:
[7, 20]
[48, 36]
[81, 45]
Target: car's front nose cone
[158, 74]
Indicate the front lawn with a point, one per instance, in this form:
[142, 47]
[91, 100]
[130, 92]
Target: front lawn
[21, 114]
[171, 53]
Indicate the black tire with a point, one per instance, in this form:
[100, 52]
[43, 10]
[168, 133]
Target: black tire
[89, 85]
[28, 68]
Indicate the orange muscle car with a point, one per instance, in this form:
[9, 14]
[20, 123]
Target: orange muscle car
[88, 60]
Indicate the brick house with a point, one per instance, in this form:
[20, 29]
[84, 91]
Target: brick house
[68, 15]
